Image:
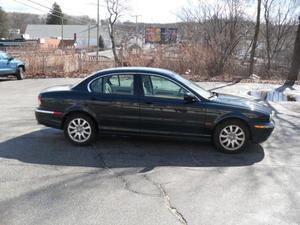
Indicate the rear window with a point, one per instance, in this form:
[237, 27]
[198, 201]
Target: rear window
[114, 85]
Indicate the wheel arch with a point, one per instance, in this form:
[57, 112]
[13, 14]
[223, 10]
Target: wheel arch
[77, 111]
[22, 66]
[238, 117]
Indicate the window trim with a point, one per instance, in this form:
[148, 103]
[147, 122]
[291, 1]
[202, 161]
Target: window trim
[172, 81]
[139, 73]
[107, 75]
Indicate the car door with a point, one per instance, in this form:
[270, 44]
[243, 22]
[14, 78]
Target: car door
[163, 109]
[115, 103]
[5, 64]
[2, 65]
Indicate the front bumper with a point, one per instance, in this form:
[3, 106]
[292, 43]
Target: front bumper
[261, 132]
[49, 118]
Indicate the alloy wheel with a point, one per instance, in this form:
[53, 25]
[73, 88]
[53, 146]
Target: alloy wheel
[79, 130]
[232, 137]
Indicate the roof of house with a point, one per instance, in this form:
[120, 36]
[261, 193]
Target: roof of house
[36, 31]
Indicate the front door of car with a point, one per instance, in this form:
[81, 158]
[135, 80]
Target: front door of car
[163, 109]
[115, 103]
[5, 64]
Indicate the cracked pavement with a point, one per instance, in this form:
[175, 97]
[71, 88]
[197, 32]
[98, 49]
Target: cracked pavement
[121, 180]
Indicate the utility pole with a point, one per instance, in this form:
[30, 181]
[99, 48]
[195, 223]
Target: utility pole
[136, 27]
[62, 32]
[89, 35]
[97, 30]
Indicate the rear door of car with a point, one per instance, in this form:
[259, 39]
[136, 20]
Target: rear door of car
[163, 109]
[115, 103]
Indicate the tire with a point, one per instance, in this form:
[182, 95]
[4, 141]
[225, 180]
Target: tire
[80, 129]
[231, 136]
[20, 73]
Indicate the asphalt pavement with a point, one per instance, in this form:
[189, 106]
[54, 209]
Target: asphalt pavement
[141, 181]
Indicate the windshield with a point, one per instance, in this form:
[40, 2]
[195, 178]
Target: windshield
[4, 55]
[202, 92]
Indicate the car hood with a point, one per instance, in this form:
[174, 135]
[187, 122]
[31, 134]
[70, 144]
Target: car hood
[57, 88]
[17, 61]
[244, 103]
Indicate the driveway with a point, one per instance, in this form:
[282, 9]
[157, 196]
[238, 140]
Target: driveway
[128, 181]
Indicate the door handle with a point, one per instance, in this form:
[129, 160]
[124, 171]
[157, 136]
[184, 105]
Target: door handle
[149, 103]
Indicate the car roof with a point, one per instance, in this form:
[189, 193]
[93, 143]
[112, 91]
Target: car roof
[137, 70]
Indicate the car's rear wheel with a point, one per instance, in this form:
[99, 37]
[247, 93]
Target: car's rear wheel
[231, 136]
[20, 73]
[80, 129]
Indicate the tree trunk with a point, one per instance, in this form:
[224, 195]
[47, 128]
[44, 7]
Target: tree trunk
[113, 46]
[294, 70]
[267, 20]
[255, 38]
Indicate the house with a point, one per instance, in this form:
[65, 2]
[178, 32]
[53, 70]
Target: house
[82, 35]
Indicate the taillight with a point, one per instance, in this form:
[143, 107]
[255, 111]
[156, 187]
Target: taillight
[39, 100]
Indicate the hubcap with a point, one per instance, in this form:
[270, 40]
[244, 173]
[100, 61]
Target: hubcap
[79, 130]
[232, 137]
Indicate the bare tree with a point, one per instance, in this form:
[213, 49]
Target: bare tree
[294, 70]
[267, 8]
[278, 31]
[255, 38]
[219, 28]
[115, 9]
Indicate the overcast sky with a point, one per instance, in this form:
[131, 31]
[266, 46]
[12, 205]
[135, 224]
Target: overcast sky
[163, 11]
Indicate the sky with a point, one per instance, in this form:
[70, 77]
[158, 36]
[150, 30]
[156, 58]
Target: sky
[150, 11]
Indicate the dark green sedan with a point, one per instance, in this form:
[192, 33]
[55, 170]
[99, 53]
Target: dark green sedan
[152, 102]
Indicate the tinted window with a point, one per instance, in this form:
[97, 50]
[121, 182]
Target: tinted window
[160, 87]
[115, 84]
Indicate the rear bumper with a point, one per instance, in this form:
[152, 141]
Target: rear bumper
[261, 132]
[49, 118]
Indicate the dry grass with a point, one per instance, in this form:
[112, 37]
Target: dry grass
[42, 63]
[192, 60]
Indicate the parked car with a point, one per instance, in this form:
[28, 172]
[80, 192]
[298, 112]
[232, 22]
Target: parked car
[10, 66]
[154, 102]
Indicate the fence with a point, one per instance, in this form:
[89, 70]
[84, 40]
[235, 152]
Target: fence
[56, 63]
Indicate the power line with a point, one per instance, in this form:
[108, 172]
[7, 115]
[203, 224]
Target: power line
[37, 3]
[73, 12]
[58, 16]
[55, 11]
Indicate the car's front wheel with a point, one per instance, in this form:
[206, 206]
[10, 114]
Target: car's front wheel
[20, 73]
[231, 136]
[80, 129]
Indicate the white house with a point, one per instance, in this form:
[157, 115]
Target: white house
[84, 36]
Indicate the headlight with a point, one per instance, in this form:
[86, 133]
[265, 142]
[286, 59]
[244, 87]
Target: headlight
[272, 116]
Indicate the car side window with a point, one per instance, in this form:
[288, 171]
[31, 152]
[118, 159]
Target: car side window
[155, 86]
[115, 84]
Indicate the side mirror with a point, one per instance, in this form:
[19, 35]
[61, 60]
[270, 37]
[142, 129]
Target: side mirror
[189, 97]
[10, 58]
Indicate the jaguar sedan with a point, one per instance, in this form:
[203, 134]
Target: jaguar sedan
[152, 102]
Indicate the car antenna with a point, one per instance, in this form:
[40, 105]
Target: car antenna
[231, 83]
[237, 80]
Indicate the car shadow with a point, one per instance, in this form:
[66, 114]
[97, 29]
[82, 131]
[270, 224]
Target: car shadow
[9, 78]
[48, 147]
